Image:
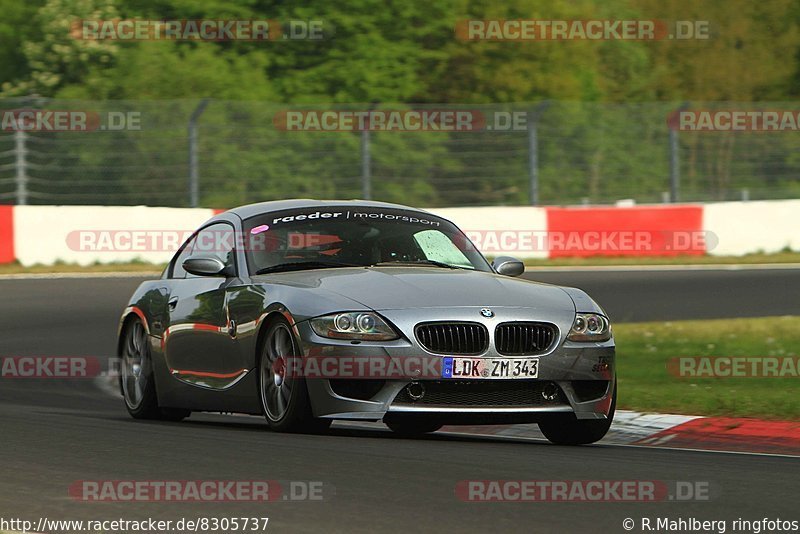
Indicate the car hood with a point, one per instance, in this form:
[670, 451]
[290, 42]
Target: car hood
[396, 288]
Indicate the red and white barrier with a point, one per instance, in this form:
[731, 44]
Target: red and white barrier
[89, 234]
[745, 227]
[104, 234]
[7, 253]
[582, 231]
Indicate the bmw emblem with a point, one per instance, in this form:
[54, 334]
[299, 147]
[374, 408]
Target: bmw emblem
[486, 312]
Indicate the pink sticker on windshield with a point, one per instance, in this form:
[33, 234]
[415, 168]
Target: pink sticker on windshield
[259, 229]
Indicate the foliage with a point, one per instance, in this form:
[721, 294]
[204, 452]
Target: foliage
[602, 138]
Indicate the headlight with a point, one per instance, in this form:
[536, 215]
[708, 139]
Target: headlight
[590, 327]
[365, 326]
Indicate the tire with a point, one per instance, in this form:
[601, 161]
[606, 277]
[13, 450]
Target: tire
[411, 428]
[284, 398]
[137, 383]
[567, 430]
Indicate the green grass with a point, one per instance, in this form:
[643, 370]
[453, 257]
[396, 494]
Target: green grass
[756, 258]
[137, 266]
[643, 350]
[60, 267]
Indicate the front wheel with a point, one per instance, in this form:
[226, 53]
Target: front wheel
[567, 430]
[284, 396]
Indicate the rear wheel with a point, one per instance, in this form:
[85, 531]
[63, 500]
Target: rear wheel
[567, 430]
[284, 395]
[136, 379]
[413, 427]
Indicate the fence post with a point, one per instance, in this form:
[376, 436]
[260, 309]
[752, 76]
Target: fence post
[674, 166]
[366, 164]
[194, 171]
[21, 153]
[674, 156]
[533, 152]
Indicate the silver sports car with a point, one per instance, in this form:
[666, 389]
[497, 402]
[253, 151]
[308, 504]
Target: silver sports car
[308, 311]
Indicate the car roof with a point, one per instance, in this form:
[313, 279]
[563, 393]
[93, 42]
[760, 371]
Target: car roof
[251, 210]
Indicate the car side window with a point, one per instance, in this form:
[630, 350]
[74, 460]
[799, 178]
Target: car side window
[218, 241]
[177, 270]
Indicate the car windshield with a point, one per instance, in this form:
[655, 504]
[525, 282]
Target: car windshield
[331, 237]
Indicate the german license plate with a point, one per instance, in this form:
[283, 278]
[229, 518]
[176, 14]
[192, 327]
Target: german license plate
[490, 368]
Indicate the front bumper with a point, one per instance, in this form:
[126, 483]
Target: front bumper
[583, 375]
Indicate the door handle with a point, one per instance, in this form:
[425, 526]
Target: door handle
[172, 303]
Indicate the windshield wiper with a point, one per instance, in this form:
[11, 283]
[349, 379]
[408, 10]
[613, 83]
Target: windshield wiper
[419, 262]
[302, 265]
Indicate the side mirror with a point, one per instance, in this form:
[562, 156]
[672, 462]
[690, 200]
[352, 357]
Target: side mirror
[508, 266]
[204, 266]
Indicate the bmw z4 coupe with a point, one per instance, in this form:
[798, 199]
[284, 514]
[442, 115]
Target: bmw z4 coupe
[309, 311]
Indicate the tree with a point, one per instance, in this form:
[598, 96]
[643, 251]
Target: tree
[54, 53]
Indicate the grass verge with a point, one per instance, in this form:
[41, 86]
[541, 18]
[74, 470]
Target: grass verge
[749, 259]
[59, 267]
[643, 350]
[599, 261]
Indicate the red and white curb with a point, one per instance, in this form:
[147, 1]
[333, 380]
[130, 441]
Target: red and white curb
[721, 434]
[731, 434]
